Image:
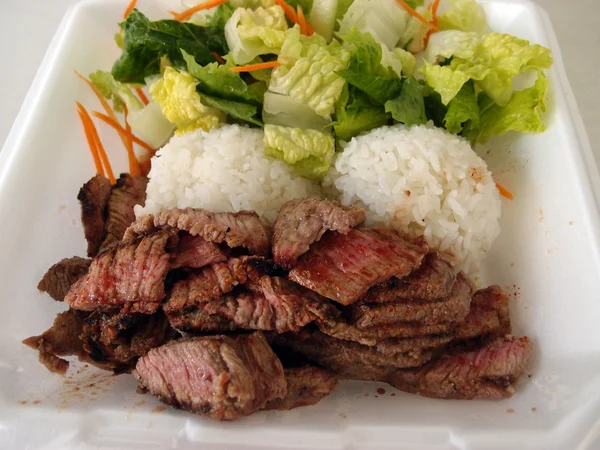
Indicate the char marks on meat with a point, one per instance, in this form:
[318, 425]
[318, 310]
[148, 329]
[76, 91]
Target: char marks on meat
[305, 386]
[432, 281]
[128, 192]
[488, 372]
[61, 276]
[131, 274]
[196, 252]
[222, 377]
[454, 309]
[61, 339]
[303, 221]
[241, 229]
[343, 267]
[93, 198]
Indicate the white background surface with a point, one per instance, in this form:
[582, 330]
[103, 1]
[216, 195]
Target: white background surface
[26, 27]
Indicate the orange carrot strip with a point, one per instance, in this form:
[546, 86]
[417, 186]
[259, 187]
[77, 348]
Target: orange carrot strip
[122, 132]
[434, 10]
[289, 11]
[253, 67]
[145, 167]
[301, 21]
[104, 102]
[92, 144]
[90, 123]
[129, 8]
[142, 96]
[185, 15]
[218, 58]
[134, 166]
[311, 30]
[504, 192]
[415, 14]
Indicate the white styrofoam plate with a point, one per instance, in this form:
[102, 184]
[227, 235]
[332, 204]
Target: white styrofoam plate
[547, 256]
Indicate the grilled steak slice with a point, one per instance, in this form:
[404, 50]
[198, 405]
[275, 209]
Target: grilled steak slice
[131, 274]
[128, 192]
[432, 281]
[334, 353]
[493, 298]
[60, 277]
[241, 229]
[393, 346]
[194, 320]
[61, 339]
[454, 309]
[489, 372]
[343, 267]
[305, 386]
[303, 221]
[93, 198]
[221, 377]
[115, 342]
[196, 252]
[272, 304]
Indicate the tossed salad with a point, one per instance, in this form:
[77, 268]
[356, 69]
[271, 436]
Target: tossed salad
[313, 73]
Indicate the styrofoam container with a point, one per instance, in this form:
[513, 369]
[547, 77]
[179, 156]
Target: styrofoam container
[547, 257]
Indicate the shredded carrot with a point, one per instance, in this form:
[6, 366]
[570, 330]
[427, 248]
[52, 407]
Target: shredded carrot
[218, 58]
[301, 20]
[92, 144]
[185, 15]
[415, 14]
[145, 167]
[122, 132]
[504, 192]
[129, 8]
[142, 96]
[434, 10]
[104, 102]
[253, 67]
[289, 11]
[311, 30]
[134, 166]
[99, 147]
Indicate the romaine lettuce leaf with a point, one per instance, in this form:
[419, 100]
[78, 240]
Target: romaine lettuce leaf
[176, 94]
[251, 33]
[252, 4]
[308, 71]
[240, 111]
[356, 113]
[407, 61]
[464, 15]
[309, 151]
[451, 43]
[462, 109]
[322, 17]
[289, 112]
[119, 93]
[146, 42]
[408, 107]
[522, 113]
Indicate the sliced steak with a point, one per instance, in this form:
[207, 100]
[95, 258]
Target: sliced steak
[343, 267]
[115, 342]
[93, 198]
[61, 276]
[454, 309]
[128, 192]
[221, 377]
[334, 353]
[305, 386]
[303, 221]
[393, 346]
[271, 304]
[196, 252]
[432, 281]
[241, 229]
[493, 298]
[194, 320]
[489, 372]
[61, 339]
[131, 274]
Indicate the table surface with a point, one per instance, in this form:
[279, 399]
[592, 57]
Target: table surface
[27, 26]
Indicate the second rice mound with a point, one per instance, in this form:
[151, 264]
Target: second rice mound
[424, 180]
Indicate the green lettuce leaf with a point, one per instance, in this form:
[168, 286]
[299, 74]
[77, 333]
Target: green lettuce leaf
[408, 61]
[522, 113]
[176, 94]
[408, 107]
[252, 4]
[322, 17]
[462, 109]
[356, 113]
[464, 15]
[365, 70]
[451, 43]
[240, 111]
[120, 94]
[309, 151]
[434, 108]
[145, 43]
[308, 71]
[251, 33]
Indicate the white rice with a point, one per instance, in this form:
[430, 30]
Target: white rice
[424, 181]
[222, 170]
